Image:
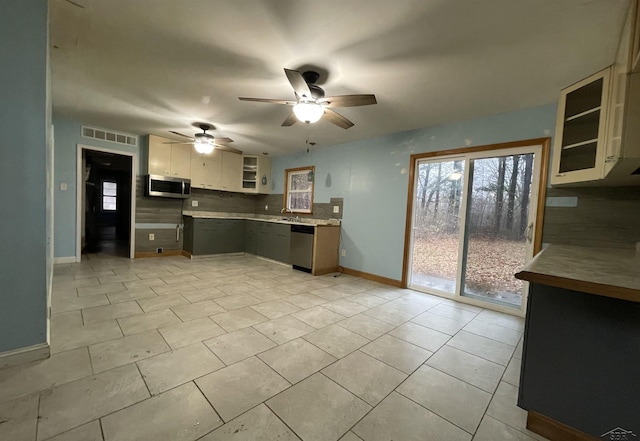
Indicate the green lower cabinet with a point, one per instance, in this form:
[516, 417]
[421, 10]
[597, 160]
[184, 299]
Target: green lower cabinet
[273, 241]
[219, 236]
[213, 236]
[250, 236]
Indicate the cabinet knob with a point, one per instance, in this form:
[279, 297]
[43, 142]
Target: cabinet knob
[560, 175]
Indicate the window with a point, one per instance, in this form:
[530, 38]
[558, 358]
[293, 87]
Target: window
[298, 192]
[109, 192]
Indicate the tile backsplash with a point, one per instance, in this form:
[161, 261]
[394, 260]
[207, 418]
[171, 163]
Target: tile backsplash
[593, 216]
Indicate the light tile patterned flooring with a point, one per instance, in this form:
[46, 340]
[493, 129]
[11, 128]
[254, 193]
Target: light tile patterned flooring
[239, 348]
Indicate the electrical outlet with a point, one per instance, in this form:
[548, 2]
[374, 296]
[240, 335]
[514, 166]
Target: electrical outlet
[159, 250]
[63, 186]
[194, 203]
[152, 236]
[343, 253]
[336, 208]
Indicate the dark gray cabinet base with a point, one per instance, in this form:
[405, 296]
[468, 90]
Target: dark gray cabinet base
[581, 360]
[213, 236]
[218, 236]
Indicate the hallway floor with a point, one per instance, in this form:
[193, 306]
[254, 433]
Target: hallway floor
[239, 348]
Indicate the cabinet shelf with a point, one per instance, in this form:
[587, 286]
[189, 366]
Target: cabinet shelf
[580, 115]
[580, 144]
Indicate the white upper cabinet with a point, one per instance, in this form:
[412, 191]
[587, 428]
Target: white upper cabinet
[181, 160]
[580, 139]
[206, 170]
[231, 171]
[169, 158]
[256, 174]
[597, 139]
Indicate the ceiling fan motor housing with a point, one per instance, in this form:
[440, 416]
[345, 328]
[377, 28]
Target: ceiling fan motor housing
[203, 137]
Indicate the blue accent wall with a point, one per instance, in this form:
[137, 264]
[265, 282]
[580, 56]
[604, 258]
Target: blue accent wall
[67, 137]
[372, 177]
[24, 128]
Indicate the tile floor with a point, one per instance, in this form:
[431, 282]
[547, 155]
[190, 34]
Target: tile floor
[239, 348]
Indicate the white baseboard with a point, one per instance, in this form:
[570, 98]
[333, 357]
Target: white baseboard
[69, 259]
[24, 355]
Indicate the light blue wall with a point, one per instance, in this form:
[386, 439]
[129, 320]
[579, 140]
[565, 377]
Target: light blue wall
[23, 162]
[67, 137]
[372, 177]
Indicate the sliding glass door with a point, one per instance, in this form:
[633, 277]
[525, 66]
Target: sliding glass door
[473, 225]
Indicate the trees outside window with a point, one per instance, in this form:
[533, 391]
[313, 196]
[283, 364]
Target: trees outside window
[298, 192]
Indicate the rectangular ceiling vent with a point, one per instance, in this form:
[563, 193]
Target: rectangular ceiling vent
[106, 135]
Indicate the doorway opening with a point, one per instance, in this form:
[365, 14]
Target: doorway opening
[474, 220]
[106, 202]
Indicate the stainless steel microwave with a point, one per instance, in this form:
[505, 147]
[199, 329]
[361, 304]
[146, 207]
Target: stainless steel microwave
[167, 187]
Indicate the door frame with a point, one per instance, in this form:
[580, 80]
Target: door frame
[545, 144]
[80, 201]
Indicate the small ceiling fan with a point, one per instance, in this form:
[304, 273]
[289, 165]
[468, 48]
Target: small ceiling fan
[311, 104]
[204, 142]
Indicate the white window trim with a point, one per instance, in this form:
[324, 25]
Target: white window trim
[289, 175]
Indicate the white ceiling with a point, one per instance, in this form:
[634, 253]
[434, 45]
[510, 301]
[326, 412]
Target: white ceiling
[150, 66]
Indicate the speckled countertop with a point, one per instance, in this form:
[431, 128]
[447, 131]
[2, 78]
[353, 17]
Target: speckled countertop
[601, 271]
[250, 216]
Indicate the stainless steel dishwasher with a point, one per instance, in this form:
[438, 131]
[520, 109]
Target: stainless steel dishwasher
[301, 248]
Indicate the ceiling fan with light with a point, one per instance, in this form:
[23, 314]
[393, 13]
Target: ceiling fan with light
[311, 104]
[205, 142]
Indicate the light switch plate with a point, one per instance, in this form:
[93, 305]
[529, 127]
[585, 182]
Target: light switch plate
[336, 208]
[152, 236]
[63, 186]
[194, 203]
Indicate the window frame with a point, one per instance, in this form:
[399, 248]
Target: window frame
[288, 173]
[102, 196]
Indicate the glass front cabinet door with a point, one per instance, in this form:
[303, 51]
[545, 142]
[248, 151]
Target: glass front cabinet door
[580, 139]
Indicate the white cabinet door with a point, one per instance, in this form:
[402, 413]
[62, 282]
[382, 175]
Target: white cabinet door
[181, 160]
[581, 130]
[159, 156]
[231, 171]
[206, 170]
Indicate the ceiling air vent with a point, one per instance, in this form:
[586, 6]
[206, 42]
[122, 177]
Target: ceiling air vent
[105, 135]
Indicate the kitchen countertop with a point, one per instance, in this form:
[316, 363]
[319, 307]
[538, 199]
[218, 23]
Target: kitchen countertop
[601, 271]
[263, 218]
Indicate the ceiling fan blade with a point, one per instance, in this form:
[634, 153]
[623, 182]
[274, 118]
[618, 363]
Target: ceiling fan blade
[268, 100]
[228, 148]
[298, 83]
[348, 100]
[291, 120]
[217, 140]
[180, 134]
[335, 118]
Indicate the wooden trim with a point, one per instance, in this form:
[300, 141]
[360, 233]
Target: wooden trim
[385, 280]
[482, 148]
[542, 191]
[24, 355]
[542, 195]
[404, 282]
[186, 254]
[311, 168]
[167, 253]
[599, 289]
[555, 430]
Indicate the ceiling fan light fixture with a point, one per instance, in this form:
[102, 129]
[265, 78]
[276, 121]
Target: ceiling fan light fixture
[308, 112]
[203, 146]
